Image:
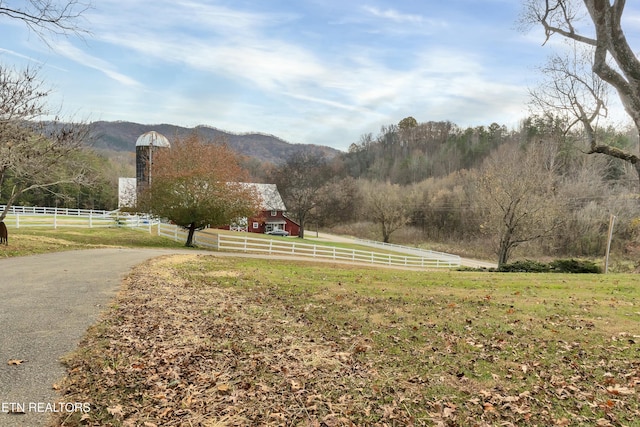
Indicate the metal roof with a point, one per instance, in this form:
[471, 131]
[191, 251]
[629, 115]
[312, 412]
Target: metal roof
[270, 197]
[152, 138]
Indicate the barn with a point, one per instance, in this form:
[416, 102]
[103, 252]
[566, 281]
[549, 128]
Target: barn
[272, 214]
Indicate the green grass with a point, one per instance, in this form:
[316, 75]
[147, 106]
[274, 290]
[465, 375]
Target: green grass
[30, 241]
[261, 342]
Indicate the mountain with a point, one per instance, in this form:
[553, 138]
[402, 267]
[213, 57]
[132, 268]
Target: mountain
[122, 136]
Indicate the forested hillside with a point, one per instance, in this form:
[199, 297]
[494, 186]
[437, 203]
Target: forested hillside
[122, 136]
[495, 192]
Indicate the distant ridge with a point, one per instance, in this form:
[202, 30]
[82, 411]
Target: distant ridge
[121, 136]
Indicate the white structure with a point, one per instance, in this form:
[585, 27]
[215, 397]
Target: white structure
[127, 192]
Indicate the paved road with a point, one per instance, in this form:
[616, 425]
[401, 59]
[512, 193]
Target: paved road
[47, 302]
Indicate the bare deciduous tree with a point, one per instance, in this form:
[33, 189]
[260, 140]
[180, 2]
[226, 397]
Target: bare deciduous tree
[34, 153]
[300, 180]
[516, 198]
[387, 205]
[612, 60]
[46, 17]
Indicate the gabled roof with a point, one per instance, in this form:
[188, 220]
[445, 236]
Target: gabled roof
[270, 197]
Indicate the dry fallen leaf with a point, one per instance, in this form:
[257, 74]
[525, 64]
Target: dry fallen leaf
[617, 389]
[116, 410]
[15, 362]
[223, 388]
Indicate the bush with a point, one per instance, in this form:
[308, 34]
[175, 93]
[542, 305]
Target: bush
[574, 266]
[557, 266]
[526, 266]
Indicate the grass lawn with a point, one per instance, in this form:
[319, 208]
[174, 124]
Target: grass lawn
[197, 340]
[30, 241]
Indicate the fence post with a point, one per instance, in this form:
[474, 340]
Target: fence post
[55, 219]
[175, 233]
[90, 219]
[17, 220]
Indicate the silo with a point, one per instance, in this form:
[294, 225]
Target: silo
[146, 145]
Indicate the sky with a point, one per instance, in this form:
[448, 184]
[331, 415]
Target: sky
[308, 71]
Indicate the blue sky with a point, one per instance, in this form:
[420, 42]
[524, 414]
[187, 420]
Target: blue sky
[309, 71]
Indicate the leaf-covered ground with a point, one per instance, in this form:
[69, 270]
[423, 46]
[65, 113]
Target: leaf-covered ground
[203, 341]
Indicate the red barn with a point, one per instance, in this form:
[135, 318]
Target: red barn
[272, 214]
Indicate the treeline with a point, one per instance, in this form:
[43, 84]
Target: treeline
[411, 152]
[406, 153]
[100, 191]
[434, 182]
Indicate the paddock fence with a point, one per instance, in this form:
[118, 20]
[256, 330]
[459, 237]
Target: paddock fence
[27, 216]
[291, 247]
[35, 216]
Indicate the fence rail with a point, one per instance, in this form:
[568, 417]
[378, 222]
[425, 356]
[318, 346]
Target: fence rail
[409, 250]
[34, 216]
[243, 243]
[39, 210]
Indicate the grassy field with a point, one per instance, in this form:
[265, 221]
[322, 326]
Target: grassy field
[204, 341]
[30, 241]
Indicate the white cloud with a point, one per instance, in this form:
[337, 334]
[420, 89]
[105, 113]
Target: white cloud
[69, 51]
[21, 56]
[395, 16]
[265, 71]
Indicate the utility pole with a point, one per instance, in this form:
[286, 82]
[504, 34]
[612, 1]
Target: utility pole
[612, 220]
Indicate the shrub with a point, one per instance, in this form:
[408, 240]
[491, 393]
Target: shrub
[574, 266]
[526, 266]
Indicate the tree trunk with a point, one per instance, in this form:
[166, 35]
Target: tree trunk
[10, 201]
[386, 235]
[192, 230]
[503, 256]
[505, 248]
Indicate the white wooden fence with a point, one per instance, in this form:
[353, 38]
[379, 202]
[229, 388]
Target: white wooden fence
[409, 250]
[34, 216]
[22, 216]
[290, 246]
